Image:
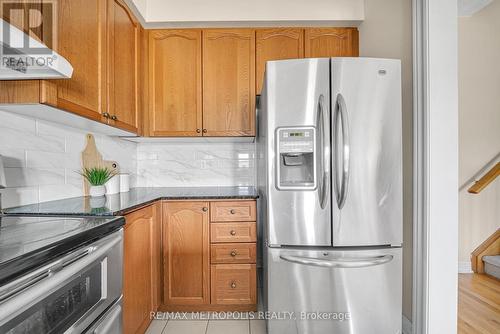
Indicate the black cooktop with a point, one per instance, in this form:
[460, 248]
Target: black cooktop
[29, 242]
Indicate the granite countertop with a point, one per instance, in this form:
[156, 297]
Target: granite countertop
[119, 204]
[28, 242]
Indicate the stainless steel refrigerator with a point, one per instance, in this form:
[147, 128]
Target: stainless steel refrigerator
[330, 184]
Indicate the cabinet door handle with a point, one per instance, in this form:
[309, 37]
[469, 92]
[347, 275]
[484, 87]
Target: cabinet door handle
[232, 211]
[198, 130]
[233, 232]
[105, 115]
[233, 253]
[205, 209]
[205, 131]
[233, 285]
[114, 118]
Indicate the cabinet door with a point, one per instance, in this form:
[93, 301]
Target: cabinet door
[276, 44]
[123, 67]
[175, 83]
[186, 252]
[331, 42]
[141, 268]
[229, 82]
[82, 41]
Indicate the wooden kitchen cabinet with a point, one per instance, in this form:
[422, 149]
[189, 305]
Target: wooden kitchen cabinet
[82, 41]
[175, 102]
[276, 44]
[142, 268]
[123, 67]
[331, 42]
[100, 39]
[186, 252]
[229, 82]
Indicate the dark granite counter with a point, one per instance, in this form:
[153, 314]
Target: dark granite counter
[119, 204]
[28, 242]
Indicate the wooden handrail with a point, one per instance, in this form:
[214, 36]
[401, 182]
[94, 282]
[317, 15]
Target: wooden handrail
[490, 246]
[483, 182]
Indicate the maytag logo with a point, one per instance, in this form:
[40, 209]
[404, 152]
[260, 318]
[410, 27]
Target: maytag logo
[33, 49]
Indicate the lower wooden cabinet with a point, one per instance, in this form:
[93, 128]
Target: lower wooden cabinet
[234, 284]
[209, 265]
[142, 271]
[186, 252]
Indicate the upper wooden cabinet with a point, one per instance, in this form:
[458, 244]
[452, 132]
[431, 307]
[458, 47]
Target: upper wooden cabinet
[276, 44]
[82, 41]
[331, 42]
[101, 41]
[175, 102]
[123, 67]
[186, 253]
[229, 82]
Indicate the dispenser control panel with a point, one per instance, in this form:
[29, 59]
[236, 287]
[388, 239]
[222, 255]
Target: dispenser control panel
[296, 159]
[296, 140]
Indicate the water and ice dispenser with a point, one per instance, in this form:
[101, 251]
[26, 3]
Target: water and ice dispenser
[296, 158]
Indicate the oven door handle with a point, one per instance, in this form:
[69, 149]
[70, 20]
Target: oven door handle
[22, 292]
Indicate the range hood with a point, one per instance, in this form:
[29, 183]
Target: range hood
[25, 58]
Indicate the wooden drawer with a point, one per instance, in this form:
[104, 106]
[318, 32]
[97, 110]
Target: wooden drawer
[234, 284]
[233, 211]
[233, 232]
[234, 253]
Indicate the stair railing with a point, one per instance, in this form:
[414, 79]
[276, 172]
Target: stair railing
[484, 177]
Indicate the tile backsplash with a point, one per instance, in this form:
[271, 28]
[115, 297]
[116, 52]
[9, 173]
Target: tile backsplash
[41, 160]
[177, 164]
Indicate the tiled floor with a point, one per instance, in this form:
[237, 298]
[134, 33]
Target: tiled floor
[207, 327]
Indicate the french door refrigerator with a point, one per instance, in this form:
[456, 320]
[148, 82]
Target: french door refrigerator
[330, 185]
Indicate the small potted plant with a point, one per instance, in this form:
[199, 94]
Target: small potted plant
[97, 177]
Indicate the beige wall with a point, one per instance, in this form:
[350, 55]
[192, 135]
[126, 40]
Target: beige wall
[256, 10]
[386, 33]
[479, 108]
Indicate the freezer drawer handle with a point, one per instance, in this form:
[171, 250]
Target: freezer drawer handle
[341, 262]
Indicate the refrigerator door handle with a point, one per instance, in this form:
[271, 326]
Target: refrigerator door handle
[342, 112]
[324, 143]
[342, 262]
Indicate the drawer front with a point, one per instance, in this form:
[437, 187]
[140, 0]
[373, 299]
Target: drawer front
[233, 211]
[234, 284]
[233, 232]
[234, 253]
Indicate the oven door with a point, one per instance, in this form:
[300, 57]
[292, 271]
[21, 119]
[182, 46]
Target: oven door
[68, 295]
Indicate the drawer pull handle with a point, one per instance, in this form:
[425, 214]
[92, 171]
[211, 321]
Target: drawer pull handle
[233, 211]
[233, 232]
[205, 209]
[233, 253]
[233, 285]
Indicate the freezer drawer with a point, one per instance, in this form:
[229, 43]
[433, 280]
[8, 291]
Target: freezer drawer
[325, 292]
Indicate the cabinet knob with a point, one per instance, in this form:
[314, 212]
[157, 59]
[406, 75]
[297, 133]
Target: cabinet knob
[233, 211]
[114, 118]
[233, 285]
[233, 253]
[205, 209]
[105, 115]
[198, 130]
[233, 232]
[205, 131]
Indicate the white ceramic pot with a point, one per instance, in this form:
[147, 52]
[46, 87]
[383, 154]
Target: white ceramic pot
[113, 185]
[97, 191]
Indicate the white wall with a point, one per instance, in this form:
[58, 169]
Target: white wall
[41, 159]
[387, 33]
[257, 10]
[479, 106]
[188, 163]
